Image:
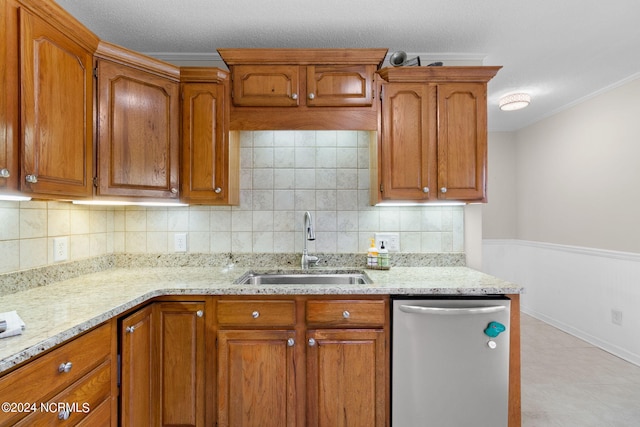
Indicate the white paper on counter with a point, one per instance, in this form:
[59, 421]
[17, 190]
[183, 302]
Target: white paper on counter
[15, 325]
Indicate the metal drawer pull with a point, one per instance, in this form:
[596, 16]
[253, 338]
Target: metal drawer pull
[312, 342]
[199, 313]
[4, 173]
[255, 314]
[31, 179]
[65, 367]
[130, 329]
[414, 309]
[291, 342]
[64, 414]
[346, 314]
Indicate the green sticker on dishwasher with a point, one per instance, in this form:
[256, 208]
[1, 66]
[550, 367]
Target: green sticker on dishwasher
[494, 329]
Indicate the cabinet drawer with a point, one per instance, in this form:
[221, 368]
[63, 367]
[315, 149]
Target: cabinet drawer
[39, 380]
[75, 403]
[346, 313]
[256, 313]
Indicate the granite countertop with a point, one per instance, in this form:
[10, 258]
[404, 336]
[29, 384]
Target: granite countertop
[61, 310]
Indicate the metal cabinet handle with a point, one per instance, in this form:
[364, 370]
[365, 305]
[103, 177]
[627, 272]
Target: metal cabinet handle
[416, 309]
[443, 189]
[218, 190]
[294, 96]
[64, 414]
[291, 342]
[425, 189]
[4, 173]
[31, 179]
[174, 190]
[255, 314]
[199, 313]
[65, 367]
[346, 314]
[130, 329]
[312, 342]
[312, 96]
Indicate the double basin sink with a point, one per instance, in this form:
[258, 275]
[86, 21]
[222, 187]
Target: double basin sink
[304, 278]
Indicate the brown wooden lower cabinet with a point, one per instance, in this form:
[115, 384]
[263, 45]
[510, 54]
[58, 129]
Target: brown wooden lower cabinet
[65, 386]
[257, 379]
[263, 361]
[162, 351]
[346, 378]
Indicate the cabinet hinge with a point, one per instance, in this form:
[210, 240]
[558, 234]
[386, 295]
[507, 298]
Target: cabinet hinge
[381, 188]
[95, 72]
[95, 181]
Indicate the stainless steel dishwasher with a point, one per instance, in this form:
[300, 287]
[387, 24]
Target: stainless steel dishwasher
[450, 362]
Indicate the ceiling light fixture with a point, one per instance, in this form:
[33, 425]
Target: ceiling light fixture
[515, 101]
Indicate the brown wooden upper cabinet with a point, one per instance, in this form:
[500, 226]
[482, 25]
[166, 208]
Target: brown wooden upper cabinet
[334, 85]
[210, 155]
[266, 83]
[49, 59]
[432, 141]
[138, 123]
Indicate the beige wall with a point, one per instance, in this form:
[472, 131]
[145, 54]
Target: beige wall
[499, 213]
[573, 178]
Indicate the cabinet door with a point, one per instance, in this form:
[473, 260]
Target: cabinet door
[256, 379]
[340, 85]
[407, 148]
[56, 111]
[346, 378]
[462, 141]
[206, 177]
[181, 344]
[138, 133]
[9, 90]
[266, 85]
[138, 386]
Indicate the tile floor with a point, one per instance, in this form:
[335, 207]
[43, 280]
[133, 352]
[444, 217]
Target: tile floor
[566, 382]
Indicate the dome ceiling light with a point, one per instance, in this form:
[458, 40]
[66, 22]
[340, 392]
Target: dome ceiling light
[515, 101]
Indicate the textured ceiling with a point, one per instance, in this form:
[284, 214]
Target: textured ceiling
[558, 51]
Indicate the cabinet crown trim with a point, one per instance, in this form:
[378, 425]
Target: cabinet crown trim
[303, 56]
[121, 55]
[458, 74]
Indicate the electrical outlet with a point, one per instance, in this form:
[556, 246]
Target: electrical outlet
[180, 242]
[60, 249]
[616, 317]
[391, 241]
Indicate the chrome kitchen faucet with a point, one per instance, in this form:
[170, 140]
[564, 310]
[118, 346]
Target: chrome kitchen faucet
[308, 234]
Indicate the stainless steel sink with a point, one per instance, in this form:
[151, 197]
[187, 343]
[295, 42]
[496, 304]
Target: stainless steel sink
[304, 278]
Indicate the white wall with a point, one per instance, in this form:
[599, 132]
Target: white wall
[576, 246]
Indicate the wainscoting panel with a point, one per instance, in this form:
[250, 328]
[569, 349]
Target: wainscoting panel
[590, 293]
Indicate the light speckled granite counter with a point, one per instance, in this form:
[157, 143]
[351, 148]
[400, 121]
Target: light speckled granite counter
[61, 310]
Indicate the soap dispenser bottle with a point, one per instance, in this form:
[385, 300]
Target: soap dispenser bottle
[372, 255]
[383, 256]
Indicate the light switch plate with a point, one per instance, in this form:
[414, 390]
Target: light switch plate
[180, 242]
[391, 241]
[60, 249]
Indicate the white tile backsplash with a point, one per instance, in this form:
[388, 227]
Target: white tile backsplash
[283, 174]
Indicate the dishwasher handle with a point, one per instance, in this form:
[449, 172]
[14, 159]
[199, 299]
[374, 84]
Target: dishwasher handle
[415, 309]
